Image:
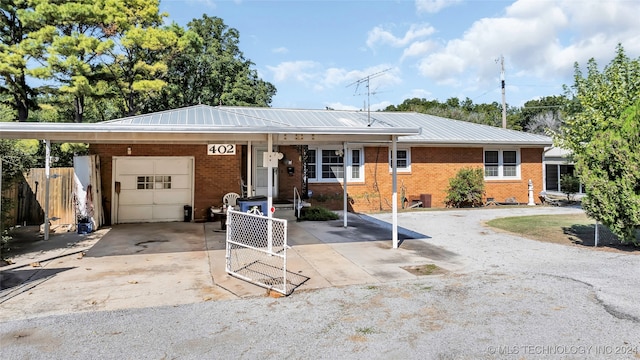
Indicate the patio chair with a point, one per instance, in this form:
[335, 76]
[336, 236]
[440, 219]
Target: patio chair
[230, 199]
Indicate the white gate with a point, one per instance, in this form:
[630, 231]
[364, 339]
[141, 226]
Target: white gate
[257, 250]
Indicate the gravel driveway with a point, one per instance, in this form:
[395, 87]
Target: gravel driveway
[509, 298]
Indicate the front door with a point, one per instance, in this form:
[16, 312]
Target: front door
[260, 179]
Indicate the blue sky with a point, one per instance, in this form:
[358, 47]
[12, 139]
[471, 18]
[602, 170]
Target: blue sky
[315, 52]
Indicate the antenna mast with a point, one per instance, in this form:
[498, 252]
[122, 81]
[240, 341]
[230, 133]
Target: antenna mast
[366, 80]
[504, 100]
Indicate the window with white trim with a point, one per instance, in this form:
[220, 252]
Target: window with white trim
[327, 164]
[153, 182]
[501, 164]
[404, 160]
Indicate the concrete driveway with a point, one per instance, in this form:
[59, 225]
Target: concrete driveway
[144, 265]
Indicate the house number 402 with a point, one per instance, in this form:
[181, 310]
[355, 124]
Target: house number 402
[221, 149]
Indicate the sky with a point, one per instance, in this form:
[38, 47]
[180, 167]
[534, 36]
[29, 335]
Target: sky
[359, 54]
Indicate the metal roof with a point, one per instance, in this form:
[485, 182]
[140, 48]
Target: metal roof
[203, 123]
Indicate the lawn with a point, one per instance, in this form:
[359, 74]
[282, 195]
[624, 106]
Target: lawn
[574, 229]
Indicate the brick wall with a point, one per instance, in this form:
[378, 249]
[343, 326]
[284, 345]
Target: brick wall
[214, 176]
[431, 169]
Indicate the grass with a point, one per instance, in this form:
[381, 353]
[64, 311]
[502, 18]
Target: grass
[560, 229]
[426, 269]
[365, 331]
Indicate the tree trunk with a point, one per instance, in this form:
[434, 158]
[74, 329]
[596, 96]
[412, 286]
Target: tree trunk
[78, 102]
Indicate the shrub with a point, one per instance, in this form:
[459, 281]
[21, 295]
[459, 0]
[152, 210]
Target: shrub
[466, 189]
[570, 185]
[318, 213]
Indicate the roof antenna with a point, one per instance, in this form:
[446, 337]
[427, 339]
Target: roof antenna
[365, 80]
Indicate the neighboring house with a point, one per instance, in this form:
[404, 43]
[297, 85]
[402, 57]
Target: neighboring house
[557, 162]
[153, 164]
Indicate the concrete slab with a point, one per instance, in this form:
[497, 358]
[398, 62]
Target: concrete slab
[140, 265]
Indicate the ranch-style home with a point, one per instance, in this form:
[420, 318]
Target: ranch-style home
[152, 165]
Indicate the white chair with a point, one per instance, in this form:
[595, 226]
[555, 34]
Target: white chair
[230, 199]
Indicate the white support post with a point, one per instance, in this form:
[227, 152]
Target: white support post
[394, 196]
[47, 163]
[269, 193]
[344, 185]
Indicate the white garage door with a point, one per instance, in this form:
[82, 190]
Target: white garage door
[152, 189]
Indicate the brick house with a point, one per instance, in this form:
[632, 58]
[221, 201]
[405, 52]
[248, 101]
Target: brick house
[153, 164]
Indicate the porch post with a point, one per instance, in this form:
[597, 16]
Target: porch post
[269, 176]
[344, 185]
[47, 160]
[394, 196]
[249, 169]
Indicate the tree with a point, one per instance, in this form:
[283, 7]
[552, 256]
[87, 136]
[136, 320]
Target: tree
[610, 169]
[137, 63]
[466, 189]
[544, 115]
[603, 134]
[16, 157]
[210, 69]
[71, 38]
[13, 59]
[599, 99]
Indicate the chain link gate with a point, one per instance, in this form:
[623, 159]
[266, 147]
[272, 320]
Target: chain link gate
[257, 250]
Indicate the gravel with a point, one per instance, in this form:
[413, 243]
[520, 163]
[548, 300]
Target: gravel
[510, 298]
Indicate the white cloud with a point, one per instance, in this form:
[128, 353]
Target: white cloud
[379, 35]
[539, 39]
[433, 6]
[418, 48]
[280, 50]
[301, 71]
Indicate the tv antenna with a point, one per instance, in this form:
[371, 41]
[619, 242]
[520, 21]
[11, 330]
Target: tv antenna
[365, 80]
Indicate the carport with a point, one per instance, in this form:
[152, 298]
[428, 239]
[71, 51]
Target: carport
[205, 125]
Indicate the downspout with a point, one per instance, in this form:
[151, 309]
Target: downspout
[394, 196]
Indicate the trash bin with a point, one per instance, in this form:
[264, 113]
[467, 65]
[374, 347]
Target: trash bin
[247, 204]
[187, 213]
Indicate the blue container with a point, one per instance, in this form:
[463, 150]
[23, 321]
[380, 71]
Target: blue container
[85, 228]
[247, 204]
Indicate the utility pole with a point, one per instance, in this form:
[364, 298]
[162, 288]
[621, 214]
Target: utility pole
[504, 100]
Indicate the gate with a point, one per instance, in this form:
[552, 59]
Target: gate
[257, 250]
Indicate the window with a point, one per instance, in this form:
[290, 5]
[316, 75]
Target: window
[404, 160]
[356, 161]
[153, 182]
[327, 164]
[332, 166]
[502, 164]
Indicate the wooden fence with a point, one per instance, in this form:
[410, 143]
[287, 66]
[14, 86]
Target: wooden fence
[28, 197]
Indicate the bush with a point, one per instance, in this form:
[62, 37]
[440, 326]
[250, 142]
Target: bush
[318, 214]
[570, 185]
[466, 189]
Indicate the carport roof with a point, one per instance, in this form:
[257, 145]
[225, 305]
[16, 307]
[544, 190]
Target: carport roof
[203, 123]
